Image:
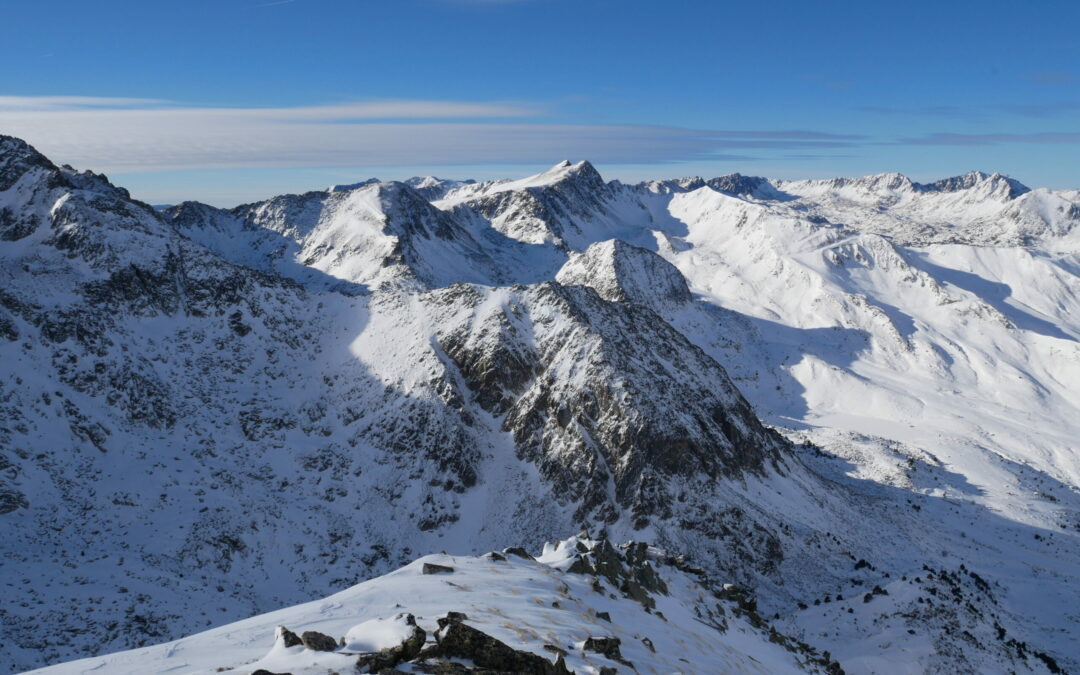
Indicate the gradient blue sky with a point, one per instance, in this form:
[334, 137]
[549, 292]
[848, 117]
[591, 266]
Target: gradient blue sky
[232, 100]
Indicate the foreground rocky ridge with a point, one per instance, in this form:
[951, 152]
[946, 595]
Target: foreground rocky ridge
[315, 356]
[584, 605]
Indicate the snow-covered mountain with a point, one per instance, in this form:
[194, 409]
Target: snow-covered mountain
[855, 398]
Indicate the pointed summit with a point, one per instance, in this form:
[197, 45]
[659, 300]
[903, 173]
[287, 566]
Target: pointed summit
[583, 173]
[558, 173]
[16, 158]
[10, 146]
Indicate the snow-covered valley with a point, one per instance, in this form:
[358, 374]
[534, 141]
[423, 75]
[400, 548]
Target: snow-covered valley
[854, 399]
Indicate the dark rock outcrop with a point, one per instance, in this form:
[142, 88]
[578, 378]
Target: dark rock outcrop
[456, 639]
[611, 422]
[409, 649]
[319, 642]
[288, 638]
[432, 568]
[608, 646]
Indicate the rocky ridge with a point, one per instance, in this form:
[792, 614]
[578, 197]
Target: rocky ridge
[583, 605]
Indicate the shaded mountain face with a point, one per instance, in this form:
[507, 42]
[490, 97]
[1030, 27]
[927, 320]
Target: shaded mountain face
[212, 413]
[587, 387]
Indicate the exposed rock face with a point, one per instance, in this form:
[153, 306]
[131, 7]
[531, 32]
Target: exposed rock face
[734, 184]
[996, 183]
[738, 184]
[628, 569]
[19, 159]
[623, 272]
[582, 383]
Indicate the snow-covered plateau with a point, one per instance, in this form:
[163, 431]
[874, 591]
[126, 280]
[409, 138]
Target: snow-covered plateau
[814, 426]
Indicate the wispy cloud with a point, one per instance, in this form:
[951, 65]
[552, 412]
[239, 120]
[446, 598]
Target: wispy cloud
[87, 106]
[1043, 138]
[799, 135]
[125, 135]
[1053, 77]
[816, 158]
[47, 103]
[932, 111]
[1042, 109]
[829, 82]
[978, 112]
[486, 2]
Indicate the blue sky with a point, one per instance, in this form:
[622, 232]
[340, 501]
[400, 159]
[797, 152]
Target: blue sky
[232, 100]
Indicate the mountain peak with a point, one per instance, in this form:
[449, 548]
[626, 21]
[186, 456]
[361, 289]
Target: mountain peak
[352, 186]
[16, 158]
[619, 271]
[434, 188]
[995, 182]
[583, 174]
[886, 181]
[564, 170]
[737, 184]
[12, 146]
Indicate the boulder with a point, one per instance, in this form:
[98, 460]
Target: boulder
[459, 640]
[519, 552]
[432, 568]
[387, 658]
[319, 642]
[452, 617]
[608, 646]
[287, 637]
